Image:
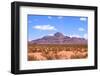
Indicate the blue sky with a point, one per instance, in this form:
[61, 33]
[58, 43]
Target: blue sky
[42, 25]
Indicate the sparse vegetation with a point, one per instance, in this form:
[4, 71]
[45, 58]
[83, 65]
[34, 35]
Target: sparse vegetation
[56, 51]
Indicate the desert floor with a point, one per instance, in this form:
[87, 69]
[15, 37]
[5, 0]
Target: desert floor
[56, 51]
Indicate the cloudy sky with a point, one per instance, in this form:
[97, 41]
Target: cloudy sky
[42, 25]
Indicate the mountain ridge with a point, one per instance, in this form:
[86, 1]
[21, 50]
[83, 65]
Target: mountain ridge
[59, 38]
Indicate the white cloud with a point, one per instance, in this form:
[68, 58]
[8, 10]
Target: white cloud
[85, 36]
[30, 21]
[60, 17]
[49, 17]
[50, 34]
[75, 36]
[44, 27]
[83, 19]
[81, 29]
[78, 36]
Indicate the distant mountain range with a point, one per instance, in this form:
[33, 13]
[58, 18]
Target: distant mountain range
[59, 38]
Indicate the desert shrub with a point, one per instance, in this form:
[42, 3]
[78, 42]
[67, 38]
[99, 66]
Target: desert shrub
[55, 51]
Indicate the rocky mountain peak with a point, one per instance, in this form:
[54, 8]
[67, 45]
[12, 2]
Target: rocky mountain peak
[58, 34]
[59, 38]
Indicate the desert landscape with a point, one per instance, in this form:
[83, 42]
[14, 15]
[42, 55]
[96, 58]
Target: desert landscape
[57, 47]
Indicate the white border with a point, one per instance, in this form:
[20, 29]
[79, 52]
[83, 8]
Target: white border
[26, 65]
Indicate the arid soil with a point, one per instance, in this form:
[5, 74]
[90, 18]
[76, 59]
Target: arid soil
[38, 52]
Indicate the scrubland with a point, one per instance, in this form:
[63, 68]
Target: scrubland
[38, 52]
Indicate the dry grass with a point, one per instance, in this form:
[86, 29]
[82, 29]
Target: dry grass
[54, 51]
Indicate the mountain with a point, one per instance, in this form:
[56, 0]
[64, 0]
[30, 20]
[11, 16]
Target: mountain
[59, 38]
